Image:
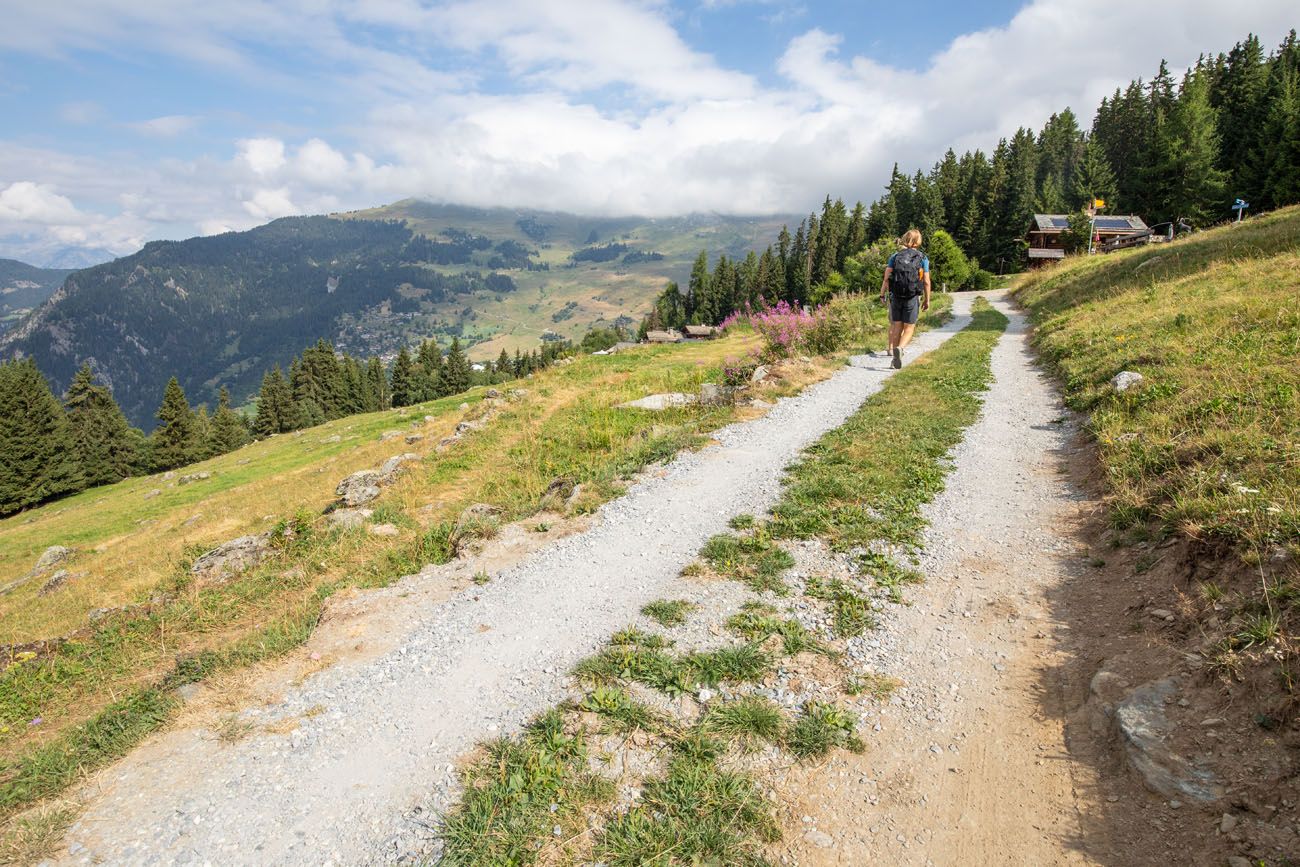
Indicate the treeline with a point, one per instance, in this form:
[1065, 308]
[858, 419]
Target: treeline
[50, 448]
[1162, 149]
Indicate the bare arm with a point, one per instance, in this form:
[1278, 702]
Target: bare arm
[884, 283]
[925, 302]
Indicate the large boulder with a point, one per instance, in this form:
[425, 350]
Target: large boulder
[359, 488]
[233, 557]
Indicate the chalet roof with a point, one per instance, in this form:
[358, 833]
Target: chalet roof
[1105, 224]
[699, 330]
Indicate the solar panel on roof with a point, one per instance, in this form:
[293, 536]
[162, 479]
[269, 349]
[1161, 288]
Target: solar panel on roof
[1113, 223]
[1060, 222]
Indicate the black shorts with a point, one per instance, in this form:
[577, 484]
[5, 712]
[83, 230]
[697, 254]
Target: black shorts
[904, 309]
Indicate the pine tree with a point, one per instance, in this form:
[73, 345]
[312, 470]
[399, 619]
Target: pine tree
[700, 303]
[175, 442]
[856, 236]
[38, 455]
[402, 382]
[276, 410]
[429, 369]
[1093, 178]
[503, 367]
[229, 431]
[203, 446]
[927, 206]
[377, 394]
[455, 374]
[1184, 180]
[107, 449]
[1240, 97]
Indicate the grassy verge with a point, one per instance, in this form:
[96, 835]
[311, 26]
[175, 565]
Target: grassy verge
[1207, 445]
[699, 802]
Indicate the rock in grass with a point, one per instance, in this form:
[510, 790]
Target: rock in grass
[194, 477]
[478, 512]
[51, 557]
[384, 530]
[346, 519]
[393, 467]
[233, 557]
[1125, 379]
[659, 402]
[56, 581]
[359, 488]
[760, 373]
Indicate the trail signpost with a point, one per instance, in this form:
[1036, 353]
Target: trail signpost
[1240, 207]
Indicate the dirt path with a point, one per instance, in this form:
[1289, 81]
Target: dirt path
[348, 767]
[968, 763]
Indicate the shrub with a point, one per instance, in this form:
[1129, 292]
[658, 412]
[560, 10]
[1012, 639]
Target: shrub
[787, 330]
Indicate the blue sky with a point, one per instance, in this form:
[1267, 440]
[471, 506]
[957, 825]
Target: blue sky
[129, 120]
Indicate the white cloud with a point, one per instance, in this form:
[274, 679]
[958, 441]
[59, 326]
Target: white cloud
[603, 110]
[168, 126]
[270, 204]
[263, 155]
[27, 202]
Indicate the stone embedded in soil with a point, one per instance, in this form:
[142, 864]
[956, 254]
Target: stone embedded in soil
[231, 558]
[659, 402]
[384, 530]
[52, 556]
[346, 519]
[1147, 732]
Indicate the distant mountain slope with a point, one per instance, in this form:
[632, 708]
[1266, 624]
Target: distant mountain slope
[221, 310]
[23, 287]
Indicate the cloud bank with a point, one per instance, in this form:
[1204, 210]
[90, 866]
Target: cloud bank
[601, 107]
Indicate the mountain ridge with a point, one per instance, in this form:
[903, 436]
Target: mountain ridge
[221, 310]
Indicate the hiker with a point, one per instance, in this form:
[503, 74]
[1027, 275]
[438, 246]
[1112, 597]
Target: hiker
[907, 280]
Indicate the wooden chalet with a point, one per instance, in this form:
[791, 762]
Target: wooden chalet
[668, 336]
[700, 332]
[1109, 233]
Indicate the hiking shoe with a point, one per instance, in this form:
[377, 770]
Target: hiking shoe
[898, 359]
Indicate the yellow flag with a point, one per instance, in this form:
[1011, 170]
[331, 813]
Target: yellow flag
[1099, 203]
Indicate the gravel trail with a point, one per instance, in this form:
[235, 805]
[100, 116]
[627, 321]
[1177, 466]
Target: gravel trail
[968, 763]
[370, 760]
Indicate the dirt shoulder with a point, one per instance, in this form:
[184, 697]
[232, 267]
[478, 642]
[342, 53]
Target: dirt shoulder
[1031, 635]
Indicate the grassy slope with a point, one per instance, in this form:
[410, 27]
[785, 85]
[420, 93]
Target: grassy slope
[601, 291]
[98, 695]
[1209, 442]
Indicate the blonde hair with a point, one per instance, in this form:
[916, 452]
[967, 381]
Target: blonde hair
[911, 238]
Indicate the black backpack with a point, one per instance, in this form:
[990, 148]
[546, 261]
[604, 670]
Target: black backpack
[905, 279]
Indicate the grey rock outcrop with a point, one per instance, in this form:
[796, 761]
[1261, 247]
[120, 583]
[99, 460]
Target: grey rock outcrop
[364, 485]
[1147, 730]
[233, 557]
[194, 477]
[51, 557]
[359, 488]
[659, 402]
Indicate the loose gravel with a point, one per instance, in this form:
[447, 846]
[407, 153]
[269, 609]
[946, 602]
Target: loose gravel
[369, 765]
